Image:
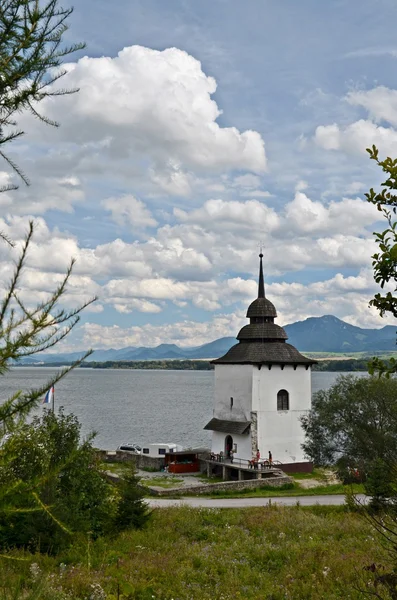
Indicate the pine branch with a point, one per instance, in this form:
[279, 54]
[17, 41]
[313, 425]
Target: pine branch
[14, 282]
[31, 47]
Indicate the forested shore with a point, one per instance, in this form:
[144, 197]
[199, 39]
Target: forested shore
[342, 365]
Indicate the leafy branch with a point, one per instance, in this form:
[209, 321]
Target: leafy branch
[384, 261]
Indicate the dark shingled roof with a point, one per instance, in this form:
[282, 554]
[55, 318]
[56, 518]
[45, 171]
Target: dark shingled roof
[261, 307]
[236, 427]
[268, 353]
[262, 331]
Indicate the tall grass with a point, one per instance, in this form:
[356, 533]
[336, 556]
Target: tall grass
[267, 553]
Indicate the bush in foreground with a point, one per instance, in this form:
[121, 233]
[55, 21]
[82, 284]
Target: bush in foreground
[56, 488]
[132, 511]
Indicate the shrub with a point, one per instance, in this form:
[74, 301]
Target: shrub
[57, 487]
[132, 511]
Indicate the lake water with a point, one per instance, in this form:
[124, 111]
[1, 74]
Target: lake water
[138, 406]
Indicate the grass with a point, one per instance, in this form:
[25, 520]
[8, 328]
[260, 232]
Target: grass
[149, 469]
[289, 489]
[269, 553]
[117, 468]
[318, 474]
[203, 477]
[163, 482]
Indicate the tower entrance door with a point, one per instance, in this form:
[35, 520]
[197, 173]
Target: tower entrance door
[228, 445]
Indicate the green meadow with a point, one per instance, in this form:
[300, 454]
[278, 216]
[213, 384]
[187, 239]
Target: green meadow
[267, 553]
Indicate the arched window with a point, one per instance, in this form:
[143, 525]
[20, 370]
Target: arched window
[283, 400]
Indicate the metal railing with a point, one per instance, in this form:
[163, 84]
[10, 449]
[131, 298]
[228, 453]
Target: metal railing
[261, 464]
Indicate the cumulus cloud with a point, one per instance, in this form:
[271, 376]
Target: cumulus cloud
[185, 333]
[127, 293]
[145, 126]
[195, 261]
[380, 102]
[46, 193]
[349, 215]
[129, 210]
[345, 297]
[248, 186]
[153, 109]
[354, 187]
[381, 106]
[247, 181]
[356, 137]
[134, 304]
[250, 214]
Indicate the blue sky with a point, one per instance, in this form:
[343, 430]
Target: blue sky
[200, 130]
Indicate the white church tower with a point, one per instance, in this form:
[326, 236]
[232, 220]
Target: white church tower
[262, 388]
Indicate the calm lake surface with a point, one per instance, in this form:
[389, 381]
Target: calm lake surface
[133, 405]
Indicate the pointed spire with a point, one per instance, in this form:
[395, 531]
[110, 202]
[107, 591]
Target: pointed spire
[261, 286]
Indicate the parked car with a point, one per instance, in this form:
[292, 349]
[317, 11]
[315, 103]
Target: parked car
[135, 448]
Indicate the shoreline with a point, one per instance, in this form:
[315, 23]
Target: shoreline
[331, 364]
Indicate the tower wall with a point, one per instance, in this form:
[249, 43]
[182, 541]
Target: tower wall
[233, 381]
[280, 430]
[243, 443]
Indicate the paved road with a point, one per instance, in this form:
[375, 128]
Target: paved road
[197, 502]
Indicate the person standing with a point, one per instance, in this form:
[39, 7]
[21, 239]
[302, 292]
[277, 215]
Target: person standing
[270, 458]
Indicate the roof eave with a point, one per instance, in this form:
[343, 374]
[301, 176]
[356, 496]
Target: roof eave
[220, 361]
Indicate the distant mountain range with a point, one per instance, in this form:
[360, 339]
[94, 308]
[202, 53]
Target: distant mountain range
[316, 334]
[330, 334]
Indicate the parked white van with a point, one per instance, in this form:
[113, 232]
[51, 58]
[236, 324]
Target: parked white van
[156, 450]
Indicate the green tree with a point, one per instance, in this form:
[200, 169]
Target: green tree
[51, 485]
[31, 51]
[353, 423]
[353, 426]
[384, 261]
[132, 511]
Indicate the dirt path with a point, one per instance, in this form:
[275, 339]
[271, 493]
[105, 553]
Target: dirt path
[332, 500]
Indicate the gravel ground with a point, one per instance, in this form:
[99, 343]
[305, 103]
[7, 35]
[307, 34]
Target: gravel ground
[187, 480]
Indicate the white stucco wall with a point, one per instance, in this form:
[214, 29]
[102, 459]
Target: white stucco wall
[233, 381]
[243, 444]
[254, 389]
[281, 431]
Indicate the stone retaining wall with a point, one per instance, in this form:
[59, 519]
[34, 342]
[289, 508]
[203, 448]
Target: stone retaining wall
[141, 461]
[224, 486]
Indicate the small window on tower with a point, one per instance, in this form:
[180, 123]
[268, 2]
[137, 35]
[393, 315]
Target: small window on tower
[231, 402]
[283, 400]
